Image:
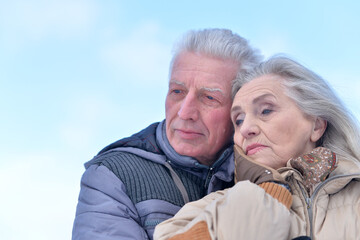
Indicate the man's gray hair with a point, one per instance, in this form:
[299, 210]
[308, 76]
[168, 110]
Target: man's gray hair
[218, 43]
[314, 97]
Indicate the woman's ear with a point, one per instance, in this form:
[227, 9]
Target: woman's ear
[319, 129]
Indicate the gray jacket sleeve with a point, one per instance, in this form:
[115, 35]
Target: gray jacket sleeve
[104, 210]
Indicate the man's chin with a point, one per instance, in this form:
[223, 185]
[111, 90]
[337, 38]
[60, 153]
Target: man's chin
[189, 150]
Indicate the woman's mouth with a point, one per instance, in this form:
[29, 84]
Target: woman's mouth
[254, 148]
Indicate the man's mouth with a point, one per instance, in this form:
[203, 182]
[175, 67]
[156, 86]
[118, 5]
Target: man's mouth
[187, 134]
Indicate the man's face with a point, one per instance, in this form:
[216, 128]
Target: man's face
[198, 106]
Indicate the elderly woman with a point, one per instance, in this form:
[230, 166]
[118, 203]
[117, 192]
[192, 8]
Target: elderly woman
[292, 135]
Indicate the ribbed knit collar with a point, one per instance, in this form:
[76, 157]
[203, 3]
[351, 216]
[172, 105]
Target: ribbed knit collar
[182, 160]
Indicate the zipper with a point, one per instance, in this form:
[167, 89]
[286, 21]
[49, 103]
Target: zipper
[310, 214]
[208, 178]
[310, 200]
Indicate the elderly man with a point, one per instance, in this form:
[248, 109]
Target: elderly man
[140, 181]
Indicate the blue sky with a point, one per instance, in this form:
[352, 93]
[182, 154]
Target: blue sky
[78, 75]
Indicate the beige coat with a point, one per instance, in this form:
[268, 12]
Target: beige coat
[247, 212]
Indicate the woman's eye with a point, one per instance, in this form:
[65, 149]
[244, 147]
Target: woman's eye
[238, 122]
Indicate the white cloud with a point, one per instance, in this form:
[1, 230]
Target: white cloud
[271, 41]
[86, 114]
[140, 53]
[22, 21]
[94, 120]
[39, 196]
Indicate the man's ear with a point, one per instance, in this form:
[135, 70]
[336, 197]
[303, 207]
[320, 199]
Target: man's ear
[319, 129]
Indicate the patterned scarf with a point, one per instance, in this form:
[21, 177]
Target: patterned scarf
[315, 166]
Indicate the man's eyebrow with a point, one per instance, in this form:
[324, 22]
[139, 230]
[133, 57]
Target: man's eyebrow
[172, 81]
[202, 88]
[213, 90]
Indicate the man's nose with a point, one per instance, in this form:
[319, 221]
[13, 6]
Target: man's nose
[189, 108]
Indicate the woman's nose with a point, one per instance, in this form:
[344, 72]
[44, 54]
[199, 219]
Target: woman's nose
[249, 128]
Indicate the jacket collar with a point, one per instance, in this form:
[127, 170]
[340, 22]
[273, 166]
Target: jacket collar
[186, 161]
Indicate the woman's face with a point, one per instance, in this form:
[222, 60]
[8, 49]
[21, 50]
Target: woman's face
[269, 127]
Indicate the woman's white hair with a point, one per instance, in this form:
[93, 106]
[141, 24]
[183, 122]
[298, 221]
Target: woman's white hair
[314, 97]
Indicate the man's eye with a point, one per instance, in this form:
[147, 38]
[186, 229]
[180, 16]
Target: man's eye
[266, 111]
[210, 100]
[210, 97]
[176, 91]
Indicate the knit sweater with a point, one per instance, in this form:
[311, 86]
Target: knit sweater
[140, 181]
[145, 180]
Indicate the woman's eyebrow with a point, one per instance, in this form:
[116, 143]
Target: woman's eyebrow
[261, 97]
[237, 108]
